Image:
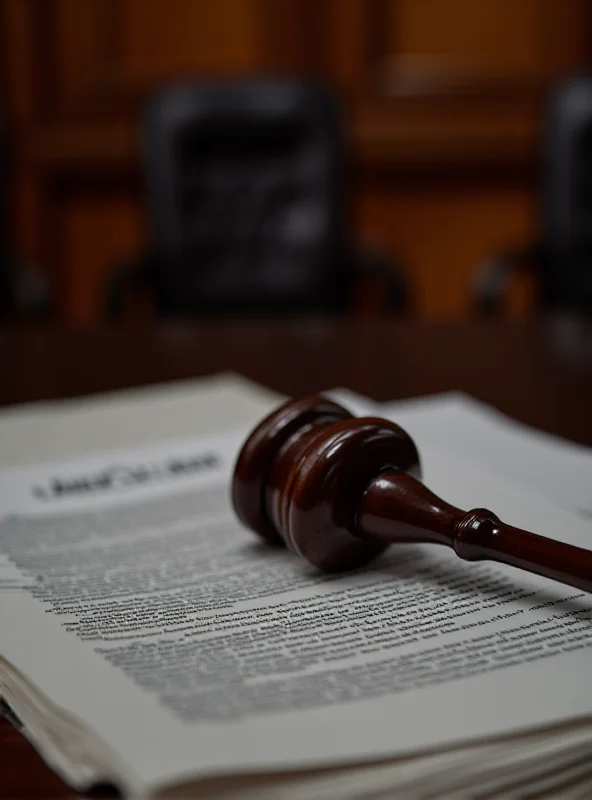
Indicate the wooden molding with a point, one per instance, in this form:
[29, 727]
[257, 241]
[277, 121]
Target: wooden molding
[562, 31]
[411, 110]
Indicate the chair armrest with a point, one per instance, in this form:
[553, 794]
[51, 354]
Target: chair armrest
[387, 272]
[26, 290]
[493, 275]
[128, 277]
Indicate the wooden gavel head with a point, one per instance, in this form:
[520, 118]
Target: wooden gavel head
[338, 490]
[302, 472]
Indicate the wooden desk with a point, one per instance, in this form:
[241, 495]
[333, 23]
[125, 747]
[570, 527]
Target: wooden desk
[538, 372]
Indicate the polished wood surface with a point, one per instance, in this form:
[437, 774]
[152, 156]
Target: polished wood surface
[338, 490]
[539, 372]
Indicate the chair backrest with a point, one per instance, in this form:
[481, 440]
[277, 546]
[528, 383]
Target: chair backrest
[567, 196]
[244, 196]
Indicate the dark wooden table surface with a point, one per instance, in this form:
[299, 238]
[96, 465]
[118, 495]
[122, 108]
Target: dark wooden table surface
[538, 371]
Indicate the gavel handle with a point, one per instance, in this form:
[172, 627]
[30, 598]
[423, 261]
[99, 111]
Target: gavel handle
[399, 508]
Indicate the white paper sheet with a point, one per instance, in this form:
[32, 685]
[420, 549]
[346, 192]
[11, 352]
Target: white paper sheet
[132, 418]
[457, 424]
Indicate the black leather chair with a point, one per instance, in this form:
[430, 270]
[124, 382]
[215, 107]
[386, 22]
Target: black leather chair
[562, 258]
[246, 205]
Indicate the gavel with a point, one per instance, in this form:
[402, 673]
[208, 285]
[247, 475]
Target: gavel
[338, 490]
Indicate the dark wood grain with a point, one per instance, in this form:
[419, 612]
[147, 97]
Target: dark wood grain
[23, 773]
[538, 371]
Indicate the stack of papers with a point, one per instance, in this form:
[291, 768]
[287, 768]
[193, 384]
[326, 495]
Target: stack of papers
[147, 640]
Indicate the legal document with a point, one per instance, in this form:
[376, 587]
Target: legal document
[148, 640]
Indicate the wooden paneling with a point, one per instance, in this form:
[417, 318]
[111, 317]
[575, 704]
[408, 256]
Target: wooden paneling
[442, 100]
[452, 81]
[107, 52]
[99, 58]
[497, 41]
[158, 44]
[94, 232]
[443, 232]
[79, 72]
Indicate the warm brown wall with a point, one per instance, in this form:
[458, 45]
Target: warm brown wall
[442, 99]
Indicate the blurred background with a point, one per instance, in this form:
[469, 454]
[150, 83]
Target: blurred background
[436, 109]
